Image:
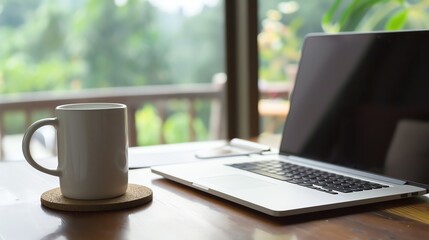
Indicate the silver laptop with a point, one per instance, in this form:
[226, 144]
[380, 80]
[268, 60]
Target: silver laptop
[357, 131]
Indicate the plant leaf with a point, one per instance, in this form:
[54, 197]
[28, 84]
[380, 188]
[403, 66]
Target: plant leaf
[397, 21]
[354, 13]
[327, 20]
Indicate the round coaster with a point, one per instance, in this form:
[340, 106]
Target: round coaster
[136, 195]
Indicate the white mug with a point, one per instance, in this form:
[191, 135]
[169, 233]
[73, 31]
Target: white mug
[92, 141]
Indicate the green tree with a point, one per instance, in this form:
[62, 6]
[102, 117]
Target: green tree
[201, 42]
[50, 45]
[33, 57]
[122, 45]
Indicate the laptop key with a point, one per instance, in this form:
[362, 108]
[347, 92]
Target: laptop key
[279, 177]
[305, 184]
[308, 177]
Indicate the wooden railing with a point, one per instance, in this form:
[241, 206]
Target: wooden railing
[133, 97]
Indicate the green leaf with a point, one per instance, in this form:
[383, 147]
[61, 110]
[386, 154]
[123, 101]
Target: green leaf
[327, 20]
[397, 21]
[350, 15]
[355, 12]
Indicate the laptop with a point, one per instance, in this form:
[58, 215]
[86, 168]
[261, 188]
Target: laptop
[357, 131]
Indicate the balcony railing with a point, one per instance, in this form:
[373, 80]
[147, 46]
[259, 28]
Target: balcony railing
[133, 97]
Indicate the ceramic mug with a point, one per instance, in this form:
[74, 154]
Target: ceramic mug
[92, 141]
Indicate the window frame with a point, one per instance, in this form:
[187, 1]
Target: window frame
[242, 93]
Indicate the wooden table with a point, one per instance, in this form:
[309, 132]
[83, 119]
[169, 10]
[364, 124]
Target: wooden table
[178, 212]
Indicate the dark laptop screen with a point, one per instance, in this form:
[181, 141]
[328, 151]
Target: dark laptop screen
[362, 100]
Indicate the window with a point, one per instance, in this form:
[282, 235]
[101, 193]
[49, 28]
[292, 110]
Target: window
[166, 57]
[284, 24]
[71, 50]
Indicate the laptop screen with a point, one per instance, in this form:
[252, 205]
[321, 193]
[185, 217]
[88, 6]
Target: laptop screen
[361, 100]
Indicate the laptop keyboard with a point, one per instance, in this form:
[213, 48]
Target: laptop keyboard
[308, 177]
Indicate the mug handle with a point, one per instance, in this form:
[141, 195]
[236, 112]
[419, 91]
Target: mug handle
[26, 145]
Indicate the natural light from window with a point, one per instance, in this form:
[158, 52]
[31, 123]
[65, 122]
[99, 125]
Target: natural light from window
[284, 24]
[60, 50]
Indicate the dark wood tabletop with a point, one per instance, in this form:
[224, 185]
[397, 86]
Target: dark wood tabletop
[179, 212]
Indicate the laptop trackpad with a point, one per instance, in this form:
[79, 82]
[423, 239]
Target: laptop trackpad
[235, 181]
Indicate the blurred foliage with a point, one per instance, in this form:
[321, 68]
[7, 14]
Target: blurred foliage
[50, 45]
[284, 25]
[368, 15]
[148, 125]
[15, 121]
[176, 128]
[278, 47]
[61, 45]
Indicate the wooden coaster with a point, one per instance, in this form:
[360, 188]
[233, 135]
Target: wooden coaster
[136, 195]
